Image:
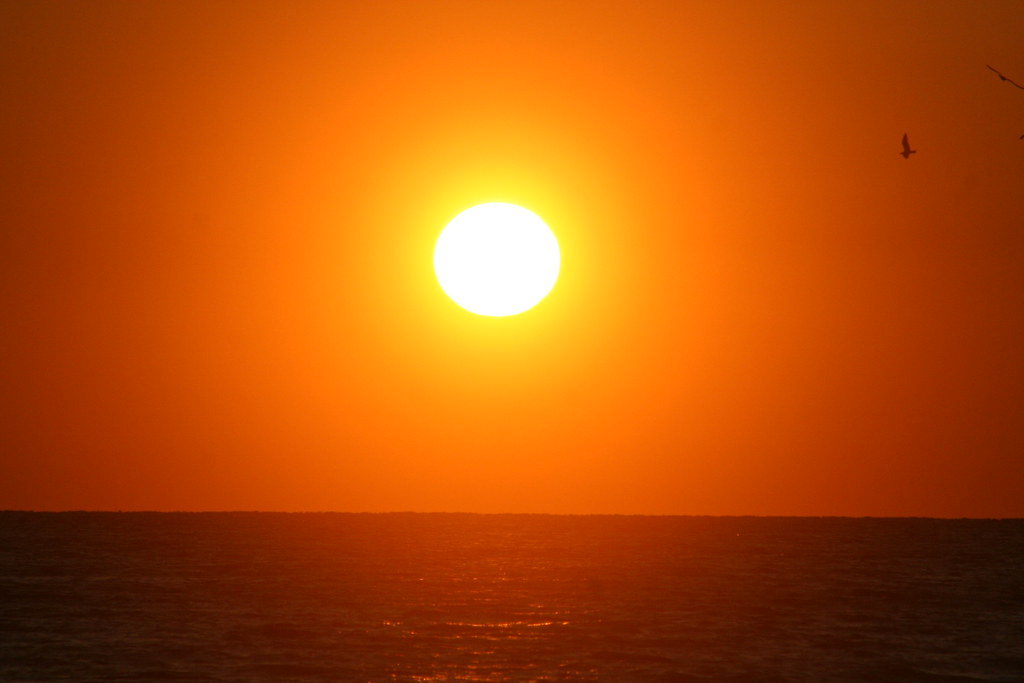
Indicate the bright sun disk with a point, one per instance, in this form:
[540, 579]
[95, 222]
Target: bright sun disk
[496, 259]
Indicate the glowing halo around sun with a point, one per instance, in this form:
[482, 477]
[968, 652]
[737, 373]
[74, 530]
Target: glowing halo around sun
[496, 259]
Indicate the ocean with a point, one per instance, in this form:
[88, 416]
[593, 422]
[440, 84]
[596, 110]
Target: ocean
[92, 596]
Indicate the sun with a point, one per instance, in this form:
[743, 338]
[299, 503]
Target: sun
[496, 259]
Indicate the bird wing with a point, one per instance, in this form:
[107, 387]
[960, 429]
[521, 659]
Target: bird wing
[1010, 80]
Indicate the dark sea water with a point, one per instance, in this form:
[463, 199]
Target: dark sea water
[410, 597]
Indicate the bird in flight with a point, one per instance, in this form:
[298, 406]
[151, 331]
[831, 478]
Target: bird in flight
[906, 148]
[1004, 78]
[1011, 81]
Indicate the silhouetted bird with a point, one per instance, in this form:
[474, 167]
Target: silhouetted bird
[1004, 78]
[906, 148]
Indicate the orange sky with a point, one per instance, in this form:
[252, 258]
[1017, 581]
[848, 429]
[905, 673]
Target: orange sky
[218, 222]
